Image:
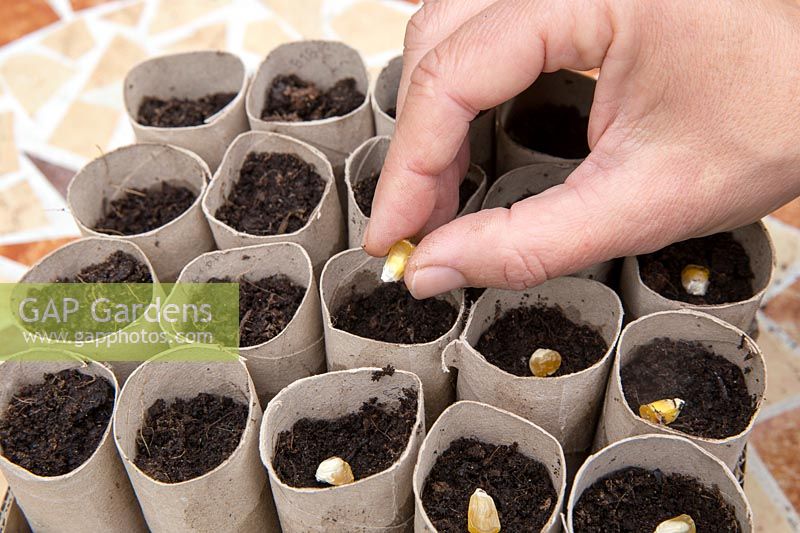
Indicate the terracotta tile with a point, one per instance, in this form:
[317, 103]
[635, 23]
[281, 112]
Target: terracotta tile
[784, 309]
[120, 55]
[777, 441]
[790, 213]
[212, 37]
[783, 367]
[86, 129]
[72, 40]
[305, 16]
[127, 16]
[263, 35]
[21, 17]
[83, 4]
[787, 247]
[34, 79]
[371, 27]
[767, 517]
[173, 13]
[57, 175]
[29, 253]
[9, 161]
[20, 209]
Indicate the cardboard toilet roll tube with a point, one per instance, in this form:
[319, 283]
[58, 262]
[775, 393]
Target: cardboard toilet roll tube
[384, 97]
[191, 75]
[494, 426]
[563, 87]
[323, 63]
[641, 300]
[565, 406]
[368, 159]
[324, 233]
[382, 502]
[299, 350]
[73, 257]
[141, 166]
[234, 496]
[96, 496]
[354, 270]
[534, 179]
[671, 455]
[619, 421]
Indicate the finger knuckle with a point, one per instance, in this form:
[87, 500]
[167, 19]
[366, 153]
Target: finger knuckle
[422, 25]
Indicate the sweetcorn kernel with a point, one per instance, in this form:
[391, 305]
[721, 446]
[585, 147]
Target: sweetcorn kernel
[695, 279]
[679, 524]
[334, 471]
[395, 265]
[544, 362]
[482, 514]
[662, 412]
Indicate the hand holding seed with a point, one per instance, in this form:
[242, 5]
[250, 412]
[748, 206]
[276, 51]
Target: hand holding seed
[692, 131]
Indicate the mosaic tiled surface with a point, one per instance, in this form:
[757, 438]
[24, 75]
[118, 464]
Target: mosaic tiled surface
[61, 64]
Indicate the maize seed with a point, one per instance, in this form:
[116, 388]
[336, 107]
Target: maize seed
[395, 265]
[662, 412]
[334, 471]
[482, 514]
[544, 362]
[679, 524]
[695, 279]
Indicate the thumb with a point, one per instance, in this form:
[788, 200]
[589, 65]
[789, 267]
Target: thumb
[563, 230]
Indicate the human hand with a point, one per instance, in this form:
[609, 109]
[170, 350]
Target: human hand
[693, 130]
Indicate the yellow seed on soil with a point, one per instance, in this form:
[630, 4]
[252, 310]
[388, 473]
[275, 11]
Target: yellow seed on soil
[334, 471]
[395, 264]
[679, 524]
[694, 279]
[482, 514]
[544, 362]
[662, 412]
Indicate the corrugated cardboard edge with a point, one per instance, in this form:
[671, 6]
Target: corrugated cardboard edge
[618, 421]
[495, 426]
[324, 233]
[382, 502]
[190, 75]
[670, 454]
[640, 300]
[298, 351]
[142, 165]
[96, 496]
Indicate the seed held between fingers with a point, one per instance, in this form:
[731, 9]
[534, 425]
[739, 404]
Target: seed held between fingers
[395, 265]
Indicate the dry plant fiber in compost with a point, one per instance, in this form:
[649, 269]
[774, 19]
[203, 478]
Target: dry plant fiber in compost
[119, 267]
[390, 314]
[370, 440]
[637, 500]
[718, 404]
[730, 278]
[53, 427]
[181, 112]
[520, 486]
[275, 194]
[143, 210]
[509, 342]
[291, 99]
[266, 306]
[185, 439]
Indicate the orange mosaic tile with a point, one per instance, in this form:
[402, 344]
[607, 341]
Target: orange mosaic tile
[127, 16]
[21, 17]
[30, 252]
[785, 310]
[777, 441]
[783, 367]
[767, 516]
[77, 5]
[790, 213]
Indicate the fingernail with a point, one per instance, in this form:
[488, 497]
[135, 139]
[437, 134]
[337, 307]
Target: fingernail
[433, 280]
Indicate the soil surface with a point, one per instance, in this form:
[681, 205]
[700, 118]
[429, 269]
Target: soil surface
[364, 191]
[185, 439]
[718, 404]
[520, 486]
[275, 194]
[119, 267]
[634, 500]
[391, 314]
[142, 210]
[291, 99]
[370, 440]
[266, 306]
[181, 112]
[557, 130]
[510, 341]
[53, 427]
[731, 278]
